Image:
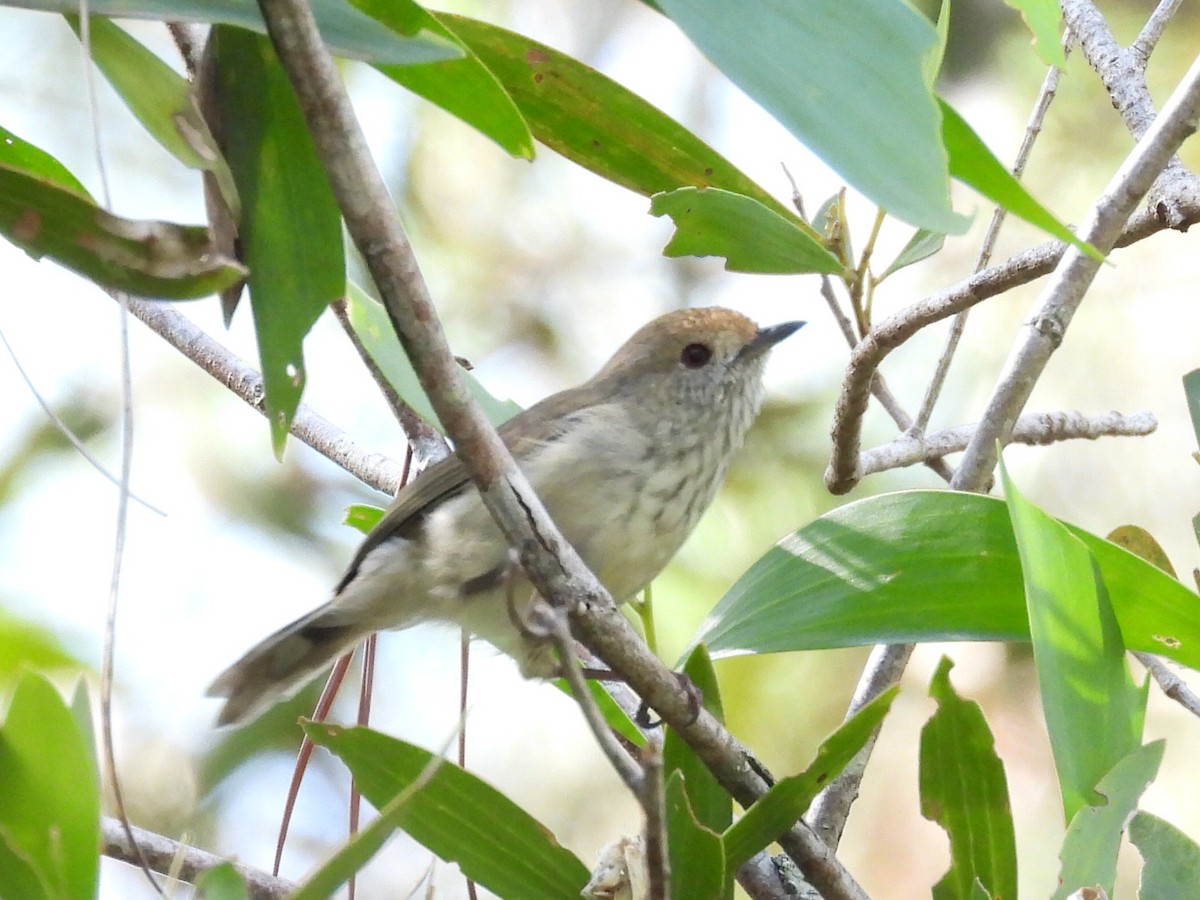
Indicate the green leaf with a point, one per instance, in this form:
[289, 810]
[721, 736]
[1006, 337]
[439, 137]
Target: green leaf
[922, 245]
[1094, 711]
[150, 259]
[1171, 860]
[847, 78]
[370, 322]
[464, 87]
[751, 237]
[972, 163]
[711, 803]
[696, 853]
[926, 566]
[776, 810]
[1043, 18]
[291, 230]
[22, 156]
[457, 816]
[964, 790]
[221, 882]
[594, 122]
[1191, 390]
[24, 645]
[933, 62]
[346, 31]
[362, 516]
[161, 99]
[1089, 852]
[50, 804]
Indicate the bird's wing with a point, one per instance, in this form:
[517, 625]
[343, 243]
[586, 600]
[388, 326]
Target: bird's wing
[448, 477]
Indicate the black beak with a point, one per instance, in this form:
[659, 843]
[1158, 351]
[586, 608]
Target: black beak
[766, 338]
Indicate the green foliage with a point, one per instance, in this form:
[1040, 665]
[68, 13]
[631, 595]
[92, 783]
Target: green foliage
[964, 790]
[451, 812]
[751, 237]
[290, 230]
[1094, 711]
[926, 566]
[49, 801]
[1171, 860]
[1089, 853]
[347, 31]
[776, 810]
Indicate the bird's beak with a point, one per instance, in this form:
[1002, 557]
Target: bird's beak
[766, 338]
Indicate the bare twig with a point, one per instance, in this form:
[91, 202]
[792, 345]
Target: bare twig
[188, 863]
[827, 816]
[1172, 685]
[1033, 128]
[1021, 268]
[427, 443]
[1036, 428]
[1147, 40]
[654, 807]
[374, 469]
[552, 565]
[1074, 275]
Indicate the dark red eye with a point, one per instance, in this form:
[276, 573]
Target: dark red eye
[695, 355]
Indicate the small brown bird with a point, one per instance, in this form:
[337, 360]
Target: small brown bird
[625, 463]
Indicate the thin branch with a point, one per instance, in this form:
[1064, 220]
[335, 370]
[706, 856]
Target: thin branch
[829, 811]
[654, 805]
[374, 469]
[187, 863]
[553, 566]
[1172, 685]
[1145, 43]
[1037, 428]
[427, 443]
[1033, 127]
[1021, 268]
[1074, 275]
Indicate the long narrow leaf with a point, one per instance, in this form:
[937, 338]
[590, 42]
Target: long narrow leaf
[776, 810]
[1094, 711]
[458, 817]
[926, 566]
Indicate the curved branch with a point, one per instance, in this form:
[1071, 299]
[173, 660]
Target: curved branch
[842, 473]
[1065, 292]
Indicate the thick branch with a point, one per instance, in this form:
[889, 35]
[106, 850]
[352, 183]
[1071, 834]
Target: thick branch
[186, 863]
[553, 566]
[1063, 295]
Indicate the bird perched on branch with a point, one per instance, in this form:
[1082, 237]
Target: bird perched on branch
[625, 464]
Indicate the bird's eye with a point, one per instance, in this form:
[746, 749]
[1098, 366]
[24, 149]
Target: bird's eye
[695, 355]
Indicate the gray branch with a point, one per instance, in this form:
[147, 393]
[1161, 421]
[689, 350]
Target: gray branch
[374, 469]
[181, 861]
[1065, 291]
[841, 475]
[552, 565]
[1037, 428]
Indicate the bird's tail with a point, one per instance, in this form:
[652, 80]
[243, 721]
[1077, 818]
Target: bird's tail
[281, 664]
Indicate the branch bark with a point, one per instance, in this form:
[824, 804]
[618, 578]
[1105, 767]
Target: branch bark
[169, 857]
[552, 565]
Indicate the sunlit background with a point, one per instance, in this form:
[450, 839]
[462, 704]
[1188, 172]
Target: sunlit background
[540, 271]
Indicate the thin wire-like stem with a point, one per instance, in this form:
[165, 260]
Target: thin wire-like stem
[1033, 128]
